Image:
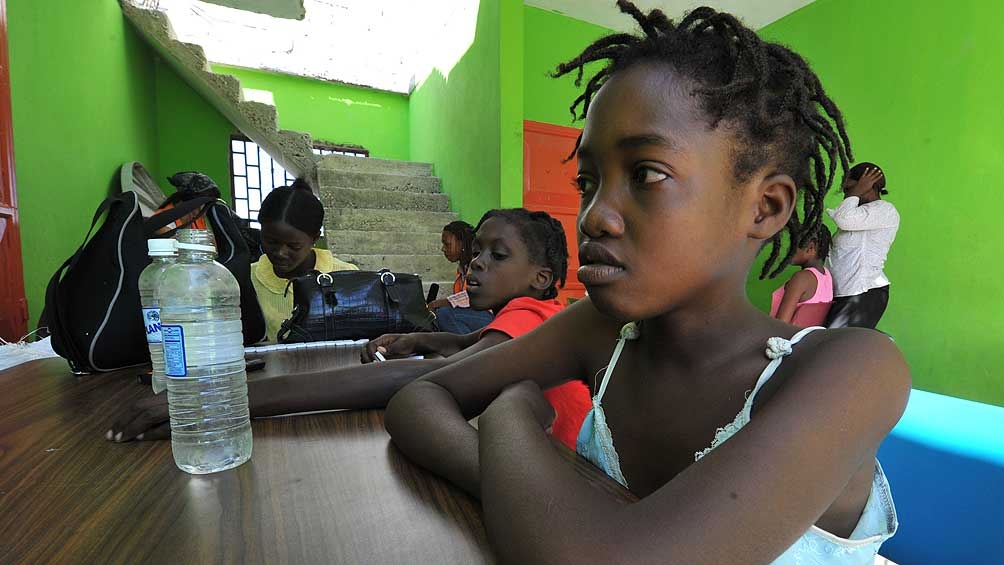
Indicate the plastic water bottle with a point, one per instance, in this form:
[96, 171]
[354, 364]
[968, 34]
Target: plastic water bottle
[162, 253]
[204, 359]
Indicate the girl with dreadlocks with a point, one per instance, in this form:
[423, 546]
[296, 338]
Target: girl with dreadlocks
[746, 439]
[454, 314]
[812, 285]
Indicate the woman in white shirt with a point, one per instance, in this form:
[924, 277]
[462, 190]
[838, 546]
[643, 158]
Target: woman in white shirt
[866, 228]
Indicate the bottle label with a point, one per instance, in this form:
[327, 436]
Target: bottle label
[174, 351]
[151, 319]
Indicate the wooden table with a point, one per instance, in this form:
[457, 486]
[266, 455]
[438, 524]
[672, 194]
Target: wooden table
[319, 488]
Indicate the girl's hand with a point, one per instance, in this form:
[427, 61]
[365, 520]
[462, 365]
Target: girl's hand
[438, 303]
[867, 181]
[147, 419]
[391, 346]
[524, 397]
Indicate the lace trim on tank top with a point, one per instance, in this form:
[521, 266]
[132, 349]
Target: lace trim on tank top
[878, 521]
[777, 349]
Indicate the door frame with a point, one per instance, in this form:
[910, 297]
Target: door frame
[14, 322]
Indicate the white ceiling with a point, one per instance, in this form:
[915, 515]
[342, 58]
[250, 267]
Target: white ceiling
[754, 13]
[386, 44]
[382, 44]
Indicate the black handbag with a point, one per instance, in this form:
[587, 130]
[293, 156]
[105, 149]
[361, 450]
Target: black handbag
[355, 305]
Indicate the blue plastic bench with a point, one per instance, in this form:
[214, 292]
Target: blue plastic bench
[945, 463]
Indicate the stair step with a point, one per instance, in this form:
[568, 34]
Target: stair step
[297, 149]
[377, 181]
[335, 198]
[370, 165]
[197, 58]
[262, 116]
[227, 87]
[403, 242]
[429, 267]
[387, 220]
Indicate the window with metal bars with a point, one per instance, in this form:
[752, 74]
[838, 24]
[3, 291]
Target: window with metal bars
[254, 174]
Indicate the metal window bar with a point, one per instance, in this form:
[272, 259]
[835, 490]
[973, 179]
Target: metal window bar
[254, 174]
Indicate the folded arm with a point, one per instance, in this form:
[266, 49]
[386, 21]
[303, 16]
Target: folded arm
[746, 501]
[428, 419]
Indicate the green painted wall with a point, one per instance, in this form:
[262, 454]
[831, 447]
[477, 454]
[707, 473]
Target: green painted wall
[191, 134]
[921, 94]
[335, 112]
[82, 98]
[511, 101]
[455, 121]
[86, 99]
[549, 39]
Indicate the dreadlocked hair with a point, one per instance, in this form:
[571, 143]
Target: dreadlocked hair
[544, 238]
[464, 233]
[821, 237]
[764, 93]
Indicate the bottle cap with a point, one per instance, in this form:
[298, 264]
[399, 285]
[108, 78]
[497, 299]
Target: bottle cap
[162, 246]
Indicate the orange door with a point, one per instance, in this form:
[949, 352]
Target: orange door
[13, 306]
[548, 185]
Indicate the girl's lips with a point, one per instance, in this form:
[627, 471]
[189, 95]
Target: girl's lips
[599, 273]
[473, 285]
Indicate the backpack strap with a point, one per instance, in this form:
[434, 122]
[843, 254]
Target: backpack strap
[55, 317]
[160, 220]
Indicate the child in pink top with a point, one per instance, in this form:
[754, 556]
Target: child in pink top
[812, 285]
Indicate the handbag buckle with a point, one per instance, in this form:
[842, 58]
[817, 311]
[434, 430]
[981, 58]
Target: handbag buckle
[384, 275]
[324, 277]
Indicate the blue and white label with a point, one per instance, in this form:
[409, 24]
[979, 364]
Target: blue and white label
[151, 319]
[174, 351]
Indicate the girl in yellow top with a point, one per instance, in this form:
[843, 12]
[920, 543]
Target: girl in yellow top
[291, 219]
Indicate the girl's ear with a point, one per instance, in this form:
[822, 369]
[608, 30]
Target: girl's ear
[773, 203]
[542, 279]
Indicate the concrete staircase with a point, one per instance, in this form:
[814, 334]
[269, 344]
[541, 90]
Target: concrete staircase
[386, 214]
[292, 149]
[378, 213]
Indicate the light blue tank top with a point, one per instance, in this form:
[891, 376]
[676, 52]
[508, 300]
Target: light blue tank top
[816, 546]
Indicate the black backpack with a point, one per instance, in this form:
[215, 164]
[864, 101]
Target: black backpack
[92, 304]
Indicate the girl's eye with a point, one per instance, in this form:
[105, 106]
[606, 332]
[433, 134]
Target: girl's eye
[583, 184]
[498, 256]
[648, 175]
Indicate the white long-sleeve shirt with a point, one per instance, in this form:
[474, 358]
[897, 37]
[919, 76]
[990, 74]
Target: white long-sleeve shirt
[858, 253]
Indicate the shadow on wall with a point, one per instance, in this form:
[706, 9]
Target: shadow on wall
[455, 120]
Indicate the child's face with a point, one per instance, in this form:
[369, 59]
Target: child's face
[286, 247]
[660, 214]
[501, 269]
[451, 247]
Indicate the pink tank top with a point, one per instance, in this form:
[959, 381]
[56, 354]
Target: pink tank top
[824, 293]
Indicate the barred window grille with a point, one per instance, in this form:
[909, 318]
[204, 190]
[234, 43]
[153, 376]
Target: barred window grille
[254, 174]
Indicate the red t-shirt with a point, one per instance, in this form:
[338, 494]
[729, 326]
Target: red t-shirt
[570, 400]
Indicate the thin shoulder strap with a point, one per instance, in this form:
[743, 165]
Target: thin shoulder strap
[628, 332]
[777, 349]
